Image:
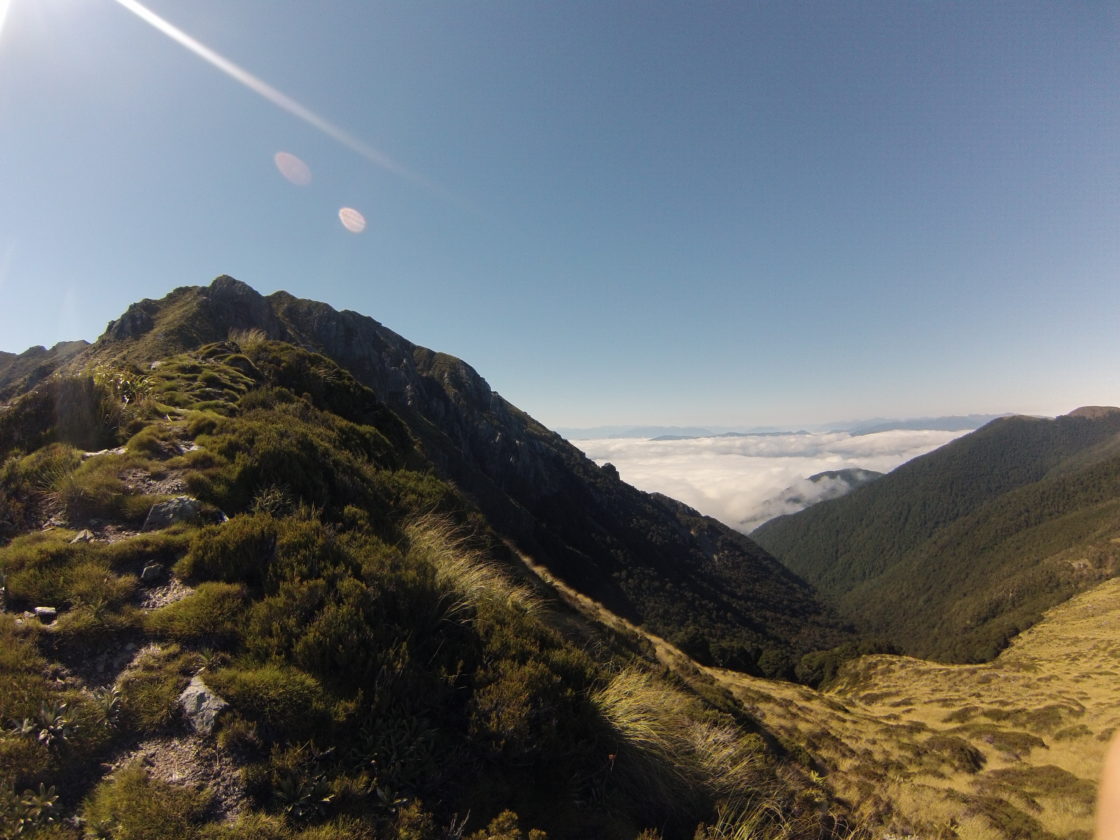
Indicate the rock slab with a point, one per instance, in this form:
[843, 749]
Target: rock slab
[179, 509]
[201, 706]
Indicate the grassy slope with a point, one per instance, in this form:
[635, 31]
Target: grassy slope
[1007, 749]
[1003, 750]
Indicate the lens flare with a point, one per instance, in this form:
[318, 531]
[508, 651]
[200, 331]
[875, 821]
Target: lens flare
[292, 168]
[352, 220]
[276, 97]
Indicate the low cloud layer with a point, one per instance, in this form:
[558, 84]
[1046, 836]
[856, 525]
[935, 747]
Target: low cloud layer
[738, 480]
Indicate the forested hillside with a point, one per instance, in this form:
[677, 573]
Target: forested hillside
[953, 553]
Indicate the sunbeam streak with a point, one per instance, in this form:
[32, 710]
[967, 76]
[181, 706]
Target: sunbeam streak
[276, 97]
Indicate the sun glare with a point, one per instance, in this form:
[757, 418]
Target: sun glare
[4, 6]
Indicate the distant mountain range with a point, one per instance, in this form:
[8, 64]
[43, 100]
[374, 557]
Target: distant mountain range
[955, 552]
[953, 423]
[21, 372]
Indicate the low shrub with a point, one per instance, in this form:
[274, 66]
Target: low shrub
[68, 409]
[46, 569]
[238, 551]
[286, 702]
[150, 688]
[95, 490]
[131, 806]
[214, 612]
[507, 826]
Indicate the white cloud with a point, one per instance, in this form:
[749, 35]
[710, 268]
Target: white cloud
[735, 479]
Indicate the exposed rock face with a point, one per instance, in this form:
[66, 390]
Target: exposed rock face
[179, 509]
[201, 706]
[136, 321]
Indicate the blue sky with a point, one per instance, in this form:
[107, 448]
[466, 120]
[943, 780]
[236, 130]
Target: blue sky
[646, 212]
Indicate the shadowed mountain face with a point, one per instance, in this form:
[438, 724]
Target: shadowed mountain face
[648, 558]
[20, 372]
[953, 553]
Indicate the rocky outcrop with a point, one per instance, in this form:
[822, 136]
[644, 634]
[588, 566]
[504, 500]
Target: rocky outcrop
[201, 706]
[179, 509]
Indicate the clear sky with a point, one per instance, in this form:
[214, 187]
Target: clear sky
[728, 213]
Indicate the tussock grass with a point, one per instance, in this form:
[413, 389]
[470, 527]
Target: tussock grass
[214, 612]
[131, 806]
[467, 574]
[1008, 749]
[249, 340]
[667, 754]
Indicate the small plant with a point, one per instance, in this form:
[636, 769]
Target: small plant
[302, 797]
[22, 813]
[108, 704]
[54, 723]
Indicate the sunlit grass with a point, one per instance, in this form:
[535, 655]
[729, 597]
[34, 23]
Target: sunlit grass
[1038, 716]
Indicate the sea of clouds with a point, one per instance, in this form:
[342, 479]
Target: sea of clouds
[740, 480]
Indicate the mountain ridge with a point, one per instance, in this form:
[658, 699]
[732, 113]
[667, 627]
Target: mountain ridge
[552, 501]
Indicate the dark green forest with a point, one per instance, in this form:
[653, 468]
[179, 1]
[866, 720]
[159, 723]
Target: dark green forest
[952, 554]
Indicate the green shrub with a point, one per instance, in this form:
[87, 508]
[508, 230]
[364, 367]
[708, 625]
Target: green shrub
[288, 702]
[74, 410]
[95, 489]
[36, 566]
[239, 550]
[23, 688]
[213, 612]
[46, 569]
[24, 761]
[163, 546]
[158, 441]
[39, 472]
[150, 688]
[131, 806]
